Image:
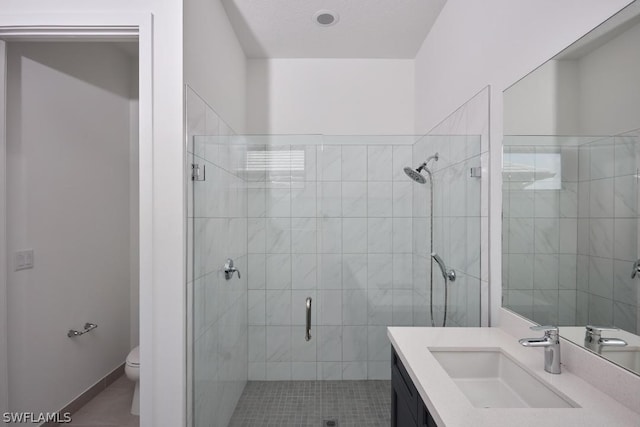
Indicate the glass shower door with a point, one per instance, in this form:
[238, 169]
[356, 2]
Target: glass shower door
[282, 294]
[456, 231]
[255, 204]
[282, 274]
[218, 294]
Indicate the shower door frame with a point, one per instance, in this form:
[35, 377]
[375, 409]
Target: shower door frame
[91, 27]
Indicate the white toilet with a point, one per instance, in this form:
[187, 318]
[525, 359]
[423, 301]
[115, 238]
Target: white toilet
[132, 369]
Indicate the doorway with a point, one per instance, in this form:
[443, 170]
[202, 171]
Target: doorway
[72, 220]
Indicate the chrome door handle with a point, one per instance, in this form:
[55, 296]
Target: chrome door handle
[307, 335]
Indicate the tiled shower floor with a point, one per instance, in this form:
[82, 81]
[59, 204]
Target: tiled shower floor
[308, 403]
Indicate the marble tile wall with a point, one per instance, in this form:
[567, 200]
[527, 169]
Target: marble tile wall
[339, 232]
[607, 242]
[539, 239]
[569, 253]
[456, 232]
[217, 230]
[460, 219]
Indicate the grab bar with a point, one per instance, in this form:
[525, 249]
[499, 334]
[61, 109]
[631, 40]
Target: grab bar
[87, 327]
[307, 335]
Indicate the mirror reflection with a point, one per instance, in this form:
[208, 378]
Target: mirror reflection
[570, 191]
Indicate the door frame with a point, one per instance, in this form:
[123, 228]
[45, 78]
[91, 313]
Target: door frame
[92, 28]
[4, 367]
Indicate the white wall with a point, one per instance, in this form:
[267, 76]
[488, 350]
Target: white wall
[609, 87]
[568, 96]
[214, 62]
[596, 94]
[530, 106]
[330, 96]
[68, 200]
[162, 317]
[494, 42]
[544, 102]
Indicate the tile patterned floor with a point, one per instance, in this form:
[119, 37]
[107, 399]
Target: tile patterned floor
[308, 403]
[111, 408]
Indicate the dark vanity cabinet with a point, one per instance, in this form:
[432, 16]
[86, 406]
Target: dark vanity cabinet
[407, 407]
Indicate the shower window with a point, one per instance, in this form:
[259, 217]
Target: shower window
[535, 170]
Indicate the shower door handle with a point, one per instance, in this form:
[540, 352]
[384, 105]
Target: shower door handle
[307, 335]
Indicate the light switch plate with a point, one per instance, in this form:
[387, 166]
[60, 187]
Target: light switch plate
[23, 260]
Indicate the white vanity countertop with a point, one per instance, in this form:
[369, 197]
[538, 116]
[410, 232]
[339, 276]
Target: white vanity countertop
[450, 407]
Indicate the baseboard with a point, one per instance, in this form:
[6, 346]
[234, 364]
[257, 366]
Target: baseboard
[89, 394]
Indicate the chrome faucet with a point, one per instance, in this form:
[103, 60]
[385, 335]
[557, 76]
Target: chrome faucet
[593, 338]
[551, 343]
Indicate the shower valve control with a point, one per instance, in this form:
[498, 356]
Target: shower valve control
[636, 269]
[229, 269]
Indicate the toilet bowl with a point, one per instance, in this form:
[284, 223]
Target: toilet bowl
[132, 370]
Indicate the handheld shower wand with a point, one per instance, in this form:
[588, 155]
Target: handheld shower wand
[448, 275]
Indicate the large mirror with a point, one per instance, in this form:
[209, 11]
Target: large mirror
[570, 194]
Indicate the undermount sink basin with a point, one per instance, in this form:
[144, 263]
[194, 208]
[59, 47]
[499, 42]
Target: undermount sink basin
[490, 378]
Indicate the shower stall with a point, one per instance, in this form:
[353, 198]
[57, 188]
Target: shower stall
[331, 243]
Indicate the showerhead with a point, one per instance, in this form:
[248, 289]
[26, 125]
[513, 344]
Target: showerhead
[415, 174]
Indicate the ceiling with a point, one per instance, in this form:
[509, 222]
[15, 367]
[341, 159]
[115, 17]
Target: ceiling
[365, 28]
